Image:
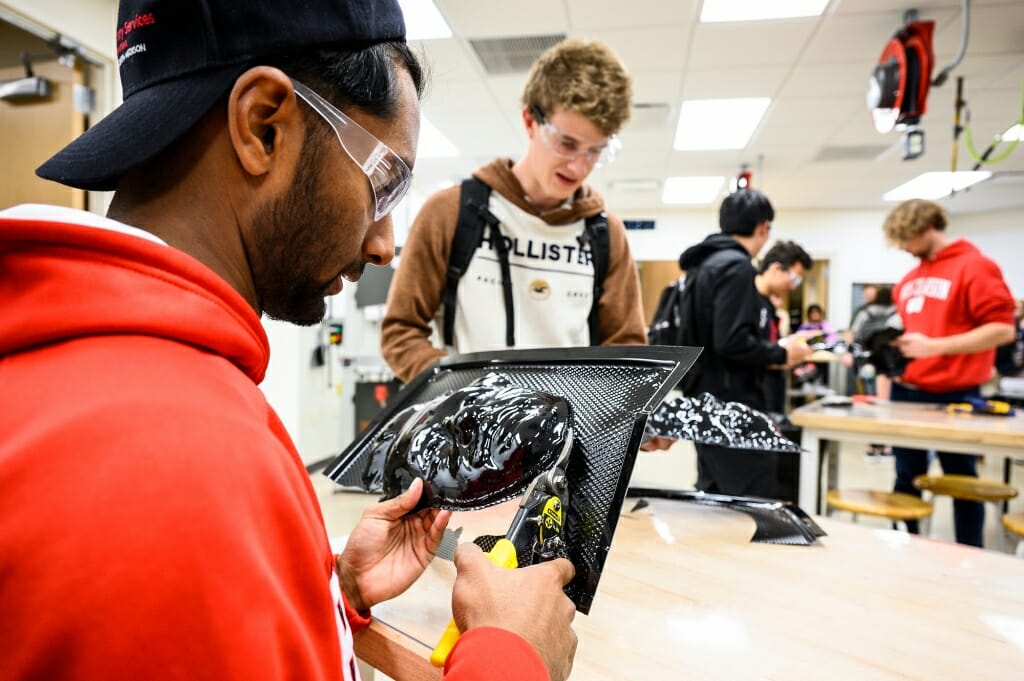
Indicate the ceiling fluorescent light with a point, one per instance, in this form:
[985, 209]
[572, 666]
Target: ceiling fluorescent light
[1014, 133]
[706, 124]
[935, 185]
[715, 11]
[433, 143]
[423, 21]
[693, 189]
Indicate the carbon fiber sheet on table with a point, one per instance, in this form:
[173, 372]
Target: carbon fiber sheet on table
[612, 391]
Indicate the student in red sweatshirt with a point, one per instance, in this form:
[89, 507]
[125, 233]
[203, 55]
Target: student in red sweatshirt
[956, 310]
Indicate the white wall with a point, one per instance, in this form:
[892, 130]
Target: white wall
[1000, 236]
[851, 239]
[313, 402]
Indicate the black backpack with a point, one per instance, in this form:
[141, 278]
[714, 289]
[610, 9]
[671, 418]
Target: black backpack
[877, 317]
[473, 215]
[673, 322]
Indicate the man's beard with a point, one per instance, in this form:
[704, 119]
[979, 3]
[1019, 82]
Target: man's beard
[292, 239]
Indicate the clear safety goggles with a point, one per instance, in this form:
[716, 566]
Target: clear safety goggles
[568, 147]
[389, 176]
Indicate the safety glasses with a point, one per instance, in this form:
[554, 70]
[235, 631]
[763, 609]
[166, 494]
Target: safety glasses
[389, 176]
[568, 147]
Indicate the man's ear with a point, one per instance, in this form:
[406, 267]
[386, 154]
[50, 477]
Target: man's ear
[528, 121]
[264, 120]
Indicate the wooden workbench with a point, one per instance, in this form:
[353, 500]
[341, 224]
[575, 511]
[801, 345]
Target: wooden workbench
[906, 424]
[685, 595]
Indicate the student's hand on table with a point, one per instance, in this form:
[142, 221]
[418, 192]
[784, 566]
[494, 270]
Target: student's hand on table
[387, 550]
[913, 345]
[528, 601]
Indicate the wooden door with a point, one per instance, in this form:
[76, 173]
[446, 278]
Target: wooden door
[655, 275]
[815, 289]
[31, 132]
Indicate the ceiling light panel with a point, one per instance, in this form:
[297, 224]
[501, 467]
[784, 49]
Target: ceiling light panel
[936, 185]
[708, 124]
[717, 11]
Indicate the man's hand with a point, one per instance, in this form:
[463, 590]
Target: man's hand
[387, 550]
[913, 345]
[528, 601]
[797, 349]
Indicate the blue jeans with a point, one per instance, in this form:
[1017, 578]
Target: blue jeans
[968, 516]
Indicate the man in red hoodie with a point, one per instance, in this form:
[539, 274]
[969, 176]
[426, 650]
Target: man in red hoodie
[956, 310]
[156, 521]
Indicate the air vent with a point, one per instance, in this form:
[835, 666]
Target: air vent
[502, 56]
[850, 153]
[648, 115]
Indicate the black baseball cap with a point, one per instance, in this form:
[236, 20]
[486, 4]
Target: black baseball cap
[177, 58]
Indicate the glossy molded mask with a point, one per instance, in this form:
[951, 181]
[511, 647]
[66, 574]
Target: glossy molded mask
[474, 447]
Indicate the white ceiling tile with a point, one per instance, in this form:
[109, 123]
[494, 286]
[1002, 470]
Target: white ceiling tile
[657, 86]
[828, 80]
[985, 71]
[996, 30]
[448, 58]
[706, 162]
[507, 91]
[454, 96]
[860, 37]
[845, 7]
[655, 48]
[733, 82]
[861, 131]
[475, 19]
[635, 164]
[592, 14]
[815, 110]
[987, 104]
[806, 136]
[635, 142]
[749, 43]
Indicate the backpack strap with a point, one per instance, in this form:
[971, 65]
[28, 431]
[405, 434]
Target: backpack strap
[506, 275]
[465, 241]
[474, 198]
[595, 233]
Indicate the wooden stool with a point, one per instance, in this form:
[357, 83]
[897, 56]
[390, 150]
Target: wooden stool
[966, 487]
[1014, 522]
[892, 505]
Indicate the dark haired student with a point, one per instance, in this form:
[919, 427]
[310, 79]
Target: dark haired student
[729, 319]
[156, 521]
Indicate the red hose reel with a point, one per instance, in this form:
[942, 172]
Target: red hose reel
[898, 87]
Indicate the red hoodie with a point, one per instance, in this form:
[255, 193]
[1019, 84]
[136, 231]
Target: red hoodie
[156, 521]
[958, 291]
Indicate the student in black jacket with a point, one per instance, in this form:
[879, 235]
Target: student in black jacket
[727, 310]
